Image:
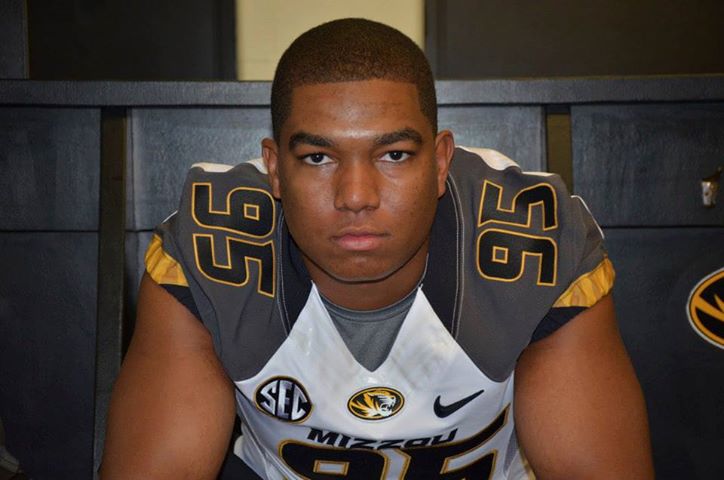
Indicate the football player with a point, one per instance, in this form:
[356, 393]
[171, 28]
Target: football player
[373, 302]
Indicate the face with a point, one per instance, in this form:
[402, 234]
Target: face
[359, 173]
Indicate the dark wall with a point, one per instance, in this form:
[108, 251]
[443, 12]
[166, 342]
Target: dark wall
[131, 39]
[13, 39]
[194, 39]
[514, 38]
[49, 159]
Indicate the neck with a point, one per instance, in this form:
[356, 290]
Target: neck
[373, 294]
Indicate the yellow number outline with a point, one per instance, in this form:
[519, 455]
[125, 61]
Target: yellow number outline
[524, 253]
[228, 265]
[227, 211]
[512, 208]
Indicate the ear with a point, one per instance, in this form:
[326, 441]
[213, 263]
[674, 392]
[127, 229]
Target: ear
[270, 153]
[444, 148]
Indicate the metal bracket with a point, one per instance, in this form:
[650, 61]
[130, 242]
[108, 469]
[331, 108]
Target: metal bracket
[710, 188]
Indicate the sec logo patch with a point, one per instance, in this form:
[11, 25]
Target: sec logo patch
[283, 398]
[375, 403]
[705, 308]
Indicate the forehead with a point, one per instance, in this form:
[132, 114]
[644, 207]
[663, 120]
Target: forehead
[365, 105]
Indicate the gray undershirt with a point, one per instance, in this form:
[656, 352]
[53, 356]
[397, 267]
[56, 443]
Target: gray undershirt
[370, 334]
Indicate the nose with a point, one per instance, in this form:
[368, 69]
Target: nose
[357, 186]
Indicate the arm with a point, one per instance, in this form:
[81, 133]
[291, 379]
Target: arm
[172, 407]
[579, 410]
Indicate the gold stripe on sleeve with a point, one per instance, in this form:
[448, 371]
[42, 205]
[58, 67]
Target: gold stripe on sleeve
[162, 267]
[589, 288]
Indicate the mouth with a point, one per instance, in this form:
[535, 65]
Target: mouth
[359, 241]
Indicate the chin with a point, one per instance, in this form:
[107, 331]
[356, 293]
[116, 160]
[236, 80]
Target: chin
[359, 272]
[359, 279]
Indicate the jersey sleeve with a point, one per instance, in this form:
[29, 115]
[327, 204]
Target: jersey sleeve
[593, 275]
[166, 271]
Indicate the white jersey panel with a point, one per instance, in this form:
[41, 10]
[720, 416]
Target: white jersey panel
[427, 410]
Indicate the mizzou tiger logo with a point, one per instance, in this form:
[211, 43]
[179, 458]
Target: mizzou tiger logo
[375, 403]
[705, 308]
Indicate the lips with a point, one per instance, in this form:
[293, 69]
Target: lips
[359, 240]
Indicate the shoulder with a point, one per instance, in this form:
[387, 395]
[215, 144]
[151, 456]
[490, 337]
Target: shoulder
[218, 255]
[230, 183]
[531, 211]
[225, 214]
[526, 247]
[475, 170]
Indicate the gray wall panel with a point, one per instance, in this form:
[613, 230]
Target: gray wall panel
[642, 164]
[498, 91]
[49, 159]
[679, 372]
[518, 132]
[166, 142]
[47, 350]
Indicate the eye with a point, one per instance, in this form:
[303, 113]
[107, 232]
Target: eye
[316, 159]
[395, 156]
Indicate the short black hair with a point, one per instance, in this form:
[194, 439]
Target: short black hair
[346, 50]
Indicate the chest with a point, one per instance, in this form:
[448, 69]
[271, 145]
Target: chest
[427, 402]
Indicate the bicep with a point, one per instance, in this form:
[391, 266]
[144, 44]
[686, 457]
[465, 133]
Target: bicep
[172, 407]
[579, 409]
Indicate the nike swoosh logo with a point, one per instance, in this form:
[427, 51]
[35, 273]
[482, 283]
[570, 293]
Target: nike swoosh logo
[443, 411]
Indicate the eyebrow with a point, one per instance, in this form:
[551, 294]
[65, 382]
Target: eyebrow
[309, 139]
[398, 136]
[382, 140]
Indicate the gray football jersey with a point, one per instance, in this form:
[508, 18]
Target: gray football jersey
[512, 257]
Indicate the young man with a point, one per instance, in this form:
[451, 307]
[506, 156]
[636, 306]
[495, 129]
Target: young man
[373, 302]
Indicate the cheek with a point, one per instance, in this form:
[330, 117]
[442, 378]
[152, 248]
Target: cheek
[416, 200]
[313, 202]
[304, 213]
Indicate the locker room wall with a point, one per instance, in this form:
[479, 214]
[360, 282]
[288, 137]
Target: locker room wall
[478, 39]
[639, 167]
[89, 168]
[49, 159]
[131, 39]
